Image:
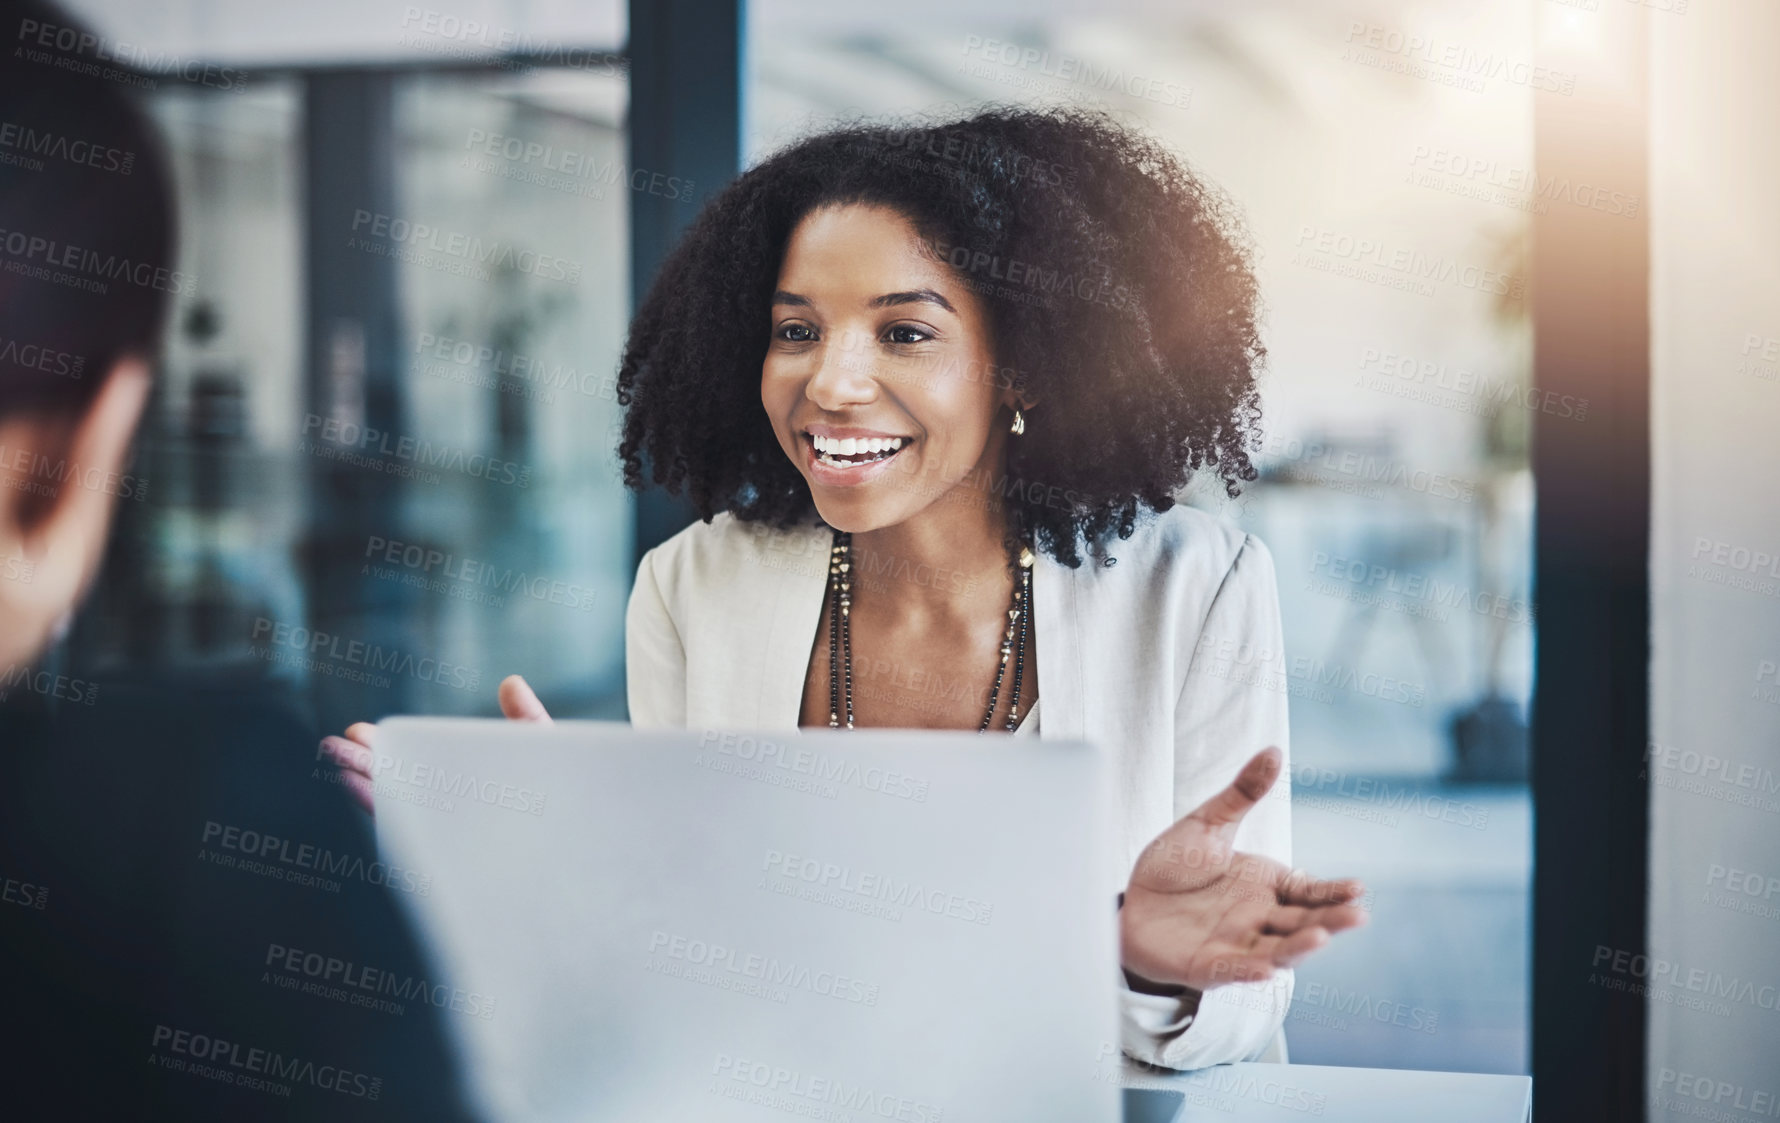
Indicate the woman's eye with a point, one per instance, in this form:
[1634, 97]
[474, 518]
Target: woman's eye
[903, 333]
[797, 333]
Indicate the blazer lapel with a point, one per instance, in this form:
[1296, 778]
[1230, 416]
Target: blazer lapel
[1056, 619]
[788, 614]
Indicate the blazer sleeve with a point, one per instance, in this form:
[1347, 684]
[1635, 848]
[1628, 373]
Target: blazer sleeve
[1232, 705]
[654, 656]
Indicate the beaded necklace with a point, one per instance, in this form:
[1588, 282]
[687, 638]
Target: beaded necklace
[840, 635]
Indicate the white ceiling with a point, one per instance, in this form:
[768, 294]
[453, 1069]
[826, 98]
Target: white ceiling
[267, 33]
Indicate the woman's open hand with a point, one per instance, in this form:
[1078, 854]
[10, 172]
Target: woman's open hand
[355, 753]
[1198, 913]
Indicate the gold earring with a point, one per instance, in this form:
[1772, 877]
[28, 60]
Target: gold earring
[1019, 425]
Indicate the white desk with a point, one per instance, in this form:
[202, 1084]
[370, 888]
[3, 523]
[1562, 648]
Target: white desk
[1342, 1095]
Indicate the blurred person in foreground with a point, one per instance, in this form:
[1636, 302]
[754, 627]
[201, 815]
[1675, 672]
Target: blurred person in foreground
[139, 980]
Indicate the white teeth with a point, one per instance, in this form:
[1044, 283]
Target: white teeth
[879, 448]
[853, 446]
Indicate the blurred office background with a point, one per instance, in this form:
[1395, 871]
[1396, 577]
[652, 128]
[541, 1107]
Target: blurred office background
[483, 530]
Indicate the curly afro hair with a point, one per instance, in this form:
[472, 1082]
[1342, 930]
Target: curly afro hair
[1118, 286]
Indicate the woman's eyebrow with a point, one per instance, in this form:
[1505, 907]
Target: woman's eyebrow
[914, 296]
[783, 297]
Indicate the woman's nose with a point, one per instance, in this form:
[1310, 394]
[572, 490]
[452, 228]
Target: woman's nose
[843, 374]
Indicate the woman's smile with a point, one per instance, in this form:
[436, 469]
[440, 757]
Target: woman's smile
[862, 377]
[845, 457]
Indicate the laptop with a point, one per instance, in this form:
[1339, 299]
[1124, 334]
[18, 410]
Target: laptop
[711, 924]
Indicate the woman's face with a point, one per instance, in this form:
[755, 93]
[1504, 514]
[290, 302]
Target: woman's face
[873, 340]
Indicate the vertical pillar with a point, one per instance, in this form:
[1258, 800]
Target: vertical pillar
[1590, 720]
[686, 74]
[352, 377]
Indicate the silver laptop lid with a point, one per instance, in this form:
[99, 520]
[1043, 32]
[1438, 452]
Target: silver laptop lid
[717, 924]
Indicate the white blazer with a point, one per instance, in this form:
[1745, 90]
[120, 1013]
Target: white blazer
[1164, 648]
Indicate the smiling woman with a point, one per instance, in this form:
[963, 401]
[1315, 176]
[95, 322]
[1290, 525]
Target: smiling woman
[1077, 266]
[978, 346]
[906, 376]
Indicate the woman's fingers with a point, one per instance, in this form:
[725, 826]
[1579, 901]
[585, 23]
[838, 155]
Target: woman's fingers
[1299, 888]
[353, 758]
[1288, 919]
[519, 703]
[1291, 949]
[351, 755]
[359, 787]
[1227, 808]
[363, 732]
[1339, 918]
